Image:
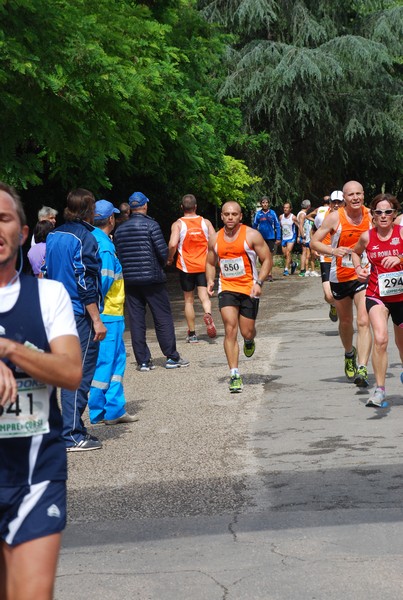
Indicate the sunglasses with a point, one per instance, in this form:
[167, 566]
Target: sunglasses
[388, 211]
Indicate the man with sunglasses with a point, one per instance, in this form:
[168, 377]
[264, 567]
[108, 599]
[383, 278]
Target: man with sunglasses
[345, 227]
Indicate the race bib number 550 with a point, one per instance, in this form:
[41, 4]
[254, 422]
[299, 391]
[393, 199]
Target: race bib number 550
[29, 414]
[232, 267]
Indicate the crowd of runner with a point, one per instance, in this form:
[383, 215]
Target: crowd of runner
[63, 325]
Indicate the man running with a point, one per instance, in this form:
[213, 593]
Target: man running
[39, 351]
[289, 225]
[345, 226]
[189, 238]
[267, 223]
[236, 247]
[336, 200]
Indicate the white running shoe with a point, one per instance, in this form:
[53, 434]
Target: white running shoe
[307, 274]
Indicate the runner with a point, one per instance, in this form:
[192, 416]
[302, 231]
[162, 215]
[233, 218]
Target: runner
[39, 350]
[345, 226]
[289, 225]
[384, 295]
[267, 223]
[236, 247]
[189, 239]
[336, 200]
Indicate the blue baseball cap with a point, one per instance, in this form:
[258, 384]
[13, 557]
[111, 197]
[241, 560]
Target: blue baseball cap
[137, 199]
[104, 209]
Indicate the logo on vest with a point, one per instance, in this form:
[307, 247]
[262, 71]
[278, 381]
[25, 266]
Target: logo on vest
[2, 330]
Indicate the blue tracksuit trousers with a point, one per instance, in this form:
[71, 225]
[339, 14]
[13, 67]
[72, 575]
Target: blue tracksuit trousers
[107, 398]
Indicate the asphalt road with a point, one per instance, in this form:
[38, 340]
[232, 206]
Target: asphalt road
[290, 490]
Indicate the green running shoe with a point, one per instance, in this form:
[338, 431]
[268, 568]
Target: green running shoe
[333, 313]
[235, 384]
[350, 365]
[361, 377]
[249, 348]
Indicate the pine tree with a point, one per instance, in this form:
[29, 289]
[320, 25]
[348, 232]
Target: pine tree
[320, 88]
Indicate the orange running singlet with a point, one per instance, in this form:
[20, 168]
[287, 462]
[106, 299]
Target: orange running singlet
[192, 246]
[237, 262]
[347, 235]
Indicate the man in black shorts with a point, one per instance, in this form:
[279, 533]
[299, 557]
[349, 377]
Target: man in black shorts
[189, 239]
[236, 247]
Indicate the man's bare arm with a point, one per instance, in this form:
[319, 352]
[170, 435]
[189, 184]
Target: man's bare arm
[173, 242]
[61, 367]
[211, 260]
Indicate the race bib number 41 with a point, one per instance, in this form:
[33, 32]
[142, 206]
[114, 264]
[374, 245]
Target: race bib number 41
[232, 267]
[29, 414]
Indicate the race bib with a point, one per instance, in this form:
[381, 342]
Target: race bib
[29, 414]
[232, 267]
[390, 284]
[347, 261]
[287, 232]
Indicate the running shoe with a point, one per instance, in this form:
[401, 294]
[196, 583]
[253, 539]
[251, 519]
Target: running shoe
[314, 274]
[235, 384]
[285, 273]
[308, 274]
[350, 365]
[293, 267]
[333, 313]
[192, 339]
[147, 366]
[175, 364]
[361, 377]
[301, 274]
[377, 397]
[208, 321]
[249, 348]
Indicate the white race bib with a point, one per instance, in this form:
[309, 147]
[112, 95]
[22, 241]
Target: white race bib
[232, 267]
[29, 414]
[390, 284]
[347, 261]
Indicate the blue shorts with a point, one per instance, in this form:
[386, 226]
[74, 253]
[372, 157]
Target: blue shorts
[29, 512]
[289, 241]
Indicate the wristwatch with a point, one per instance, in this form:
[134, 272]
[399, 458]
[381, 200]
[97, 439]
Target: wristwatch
[259, 282]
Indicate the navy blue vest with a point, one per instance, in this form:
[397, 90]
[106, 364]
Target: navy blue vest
[38, 458]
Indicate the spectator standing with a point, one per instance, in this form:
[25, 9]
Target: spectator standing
[143, 253]
[36, 254]
[268, 225]
[123, 214]
[189, 238]
[72, 258]
[46, 213]
[39, 350]
[106, 401]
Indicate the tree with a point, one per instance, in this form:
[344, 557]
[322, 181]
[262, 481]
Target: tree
[320, 89]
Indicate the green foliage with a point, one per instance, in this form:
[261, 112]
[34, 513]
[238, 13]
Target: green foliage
[231, 183]
[323, 81]
[109, 92]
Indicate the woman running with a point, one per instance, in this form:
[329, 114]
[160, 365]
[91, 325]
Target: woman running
[384, 295]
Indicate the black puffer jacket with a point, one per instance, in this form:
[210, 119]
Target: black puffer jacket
[142, 250]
